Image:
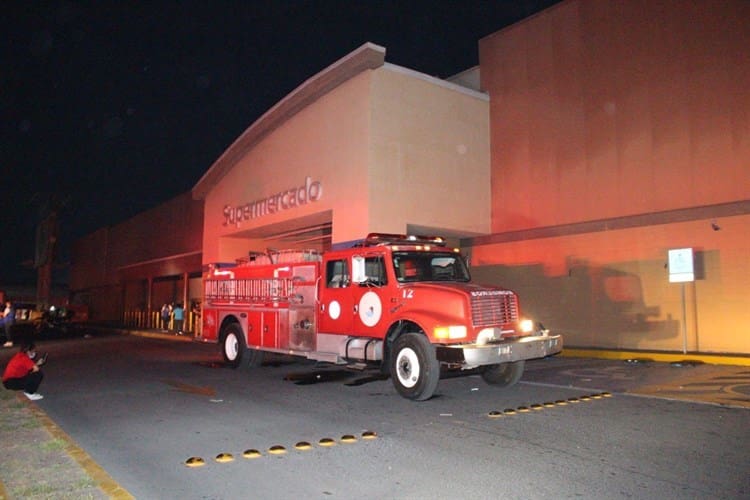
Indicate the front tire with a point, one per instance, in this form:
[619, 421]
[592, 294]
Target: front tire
[414, 367]
[233, 345]
[503, 374]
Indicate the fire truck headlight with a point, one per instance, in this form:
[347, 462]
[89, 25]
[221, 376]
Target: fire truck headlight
[449, 332]
[526, 325]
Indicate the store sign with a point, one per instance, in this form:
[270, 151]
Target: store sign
[311, 191]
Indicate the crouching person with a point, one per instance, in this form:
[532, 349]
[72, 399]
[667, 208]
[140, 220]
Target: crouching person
[23, 373]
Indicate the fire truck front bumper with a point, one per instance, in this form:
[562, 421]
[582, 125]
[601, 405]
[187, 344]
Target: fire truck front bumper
[473, 355]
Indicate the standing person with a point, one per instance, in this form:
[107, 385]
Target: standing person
[23, 373]
[165, 315]
[8, 318]
[179, 317]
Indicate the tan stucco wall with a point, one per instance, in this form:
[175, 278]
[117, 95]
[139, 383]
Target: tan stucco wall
[429, 155]
[611, 288]
[389, 146]
[326, 141]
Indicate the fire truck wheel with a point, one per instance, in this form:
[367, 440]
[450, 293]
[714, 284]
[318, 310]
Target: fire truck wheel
[233, 345]
[414, 367]
[504, 374]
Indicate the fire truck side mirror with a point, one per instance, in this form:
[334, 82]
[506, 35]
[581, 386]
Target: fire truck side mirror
[358, 269]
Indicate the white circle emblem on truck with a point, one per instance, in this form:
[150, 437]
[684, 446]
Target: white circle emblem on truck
[334, 309]
[370, 309]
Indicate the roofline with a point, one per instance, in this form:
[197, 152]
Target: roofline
[367, 57]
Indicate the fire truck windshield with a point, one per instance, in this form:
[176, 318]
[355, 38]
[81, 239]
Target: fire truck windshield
[429, 266]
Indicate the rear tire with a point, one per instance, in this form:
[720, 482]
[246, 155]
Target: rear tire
[233, 345]
[504, 374]
[414, 367]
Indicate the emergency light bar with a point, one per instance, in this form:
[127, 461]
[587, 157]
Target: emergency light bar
[374, 239]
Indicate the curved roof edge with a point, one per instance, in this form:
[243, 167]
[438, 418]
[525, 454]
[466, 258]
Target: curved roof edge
[368, 56]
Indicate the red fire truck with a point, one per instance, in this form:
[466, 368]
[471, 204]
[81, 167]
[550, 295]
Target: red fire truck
[402, 303]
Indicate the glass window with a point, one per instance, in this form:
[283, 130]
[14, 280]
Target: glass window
[429, 266]
[337, 274]
[375, 271]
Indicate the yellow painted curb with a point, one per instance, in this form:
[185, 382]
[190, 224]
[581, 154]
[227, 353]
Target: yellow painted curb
[110, 487]
[666, 357]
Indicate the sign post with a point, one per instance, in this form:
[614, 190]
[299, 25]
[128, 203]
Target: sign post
[681, 270]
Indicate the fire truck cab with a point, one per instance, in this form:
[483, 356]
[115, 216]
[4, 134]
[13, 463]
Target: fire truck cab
[403, 303]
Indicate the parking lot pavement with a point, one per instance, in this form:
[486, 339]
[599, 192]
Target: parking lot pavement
[48, 447]
[685, 378]
[727, 385]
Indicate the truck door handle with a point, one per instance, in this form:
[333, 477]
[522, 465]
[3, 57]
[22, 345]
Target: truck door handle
[356, 308]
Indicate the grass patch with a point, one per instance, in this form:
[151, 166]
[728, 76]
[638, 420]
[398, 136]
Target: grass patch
[53, 445]
[85, 482]
[35, 490]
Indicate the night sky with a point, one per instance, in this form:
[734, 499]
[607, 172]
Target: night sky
[111, 108]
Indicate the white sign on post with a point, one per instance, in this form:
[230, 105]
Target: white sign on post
[681, 265]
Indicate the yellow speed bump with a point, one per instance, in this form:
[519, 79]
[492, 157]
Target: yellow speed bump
[561, 402]
[277, 450]
[303, 445]
[509, 411]
[195, 462]
[596, 396]
[495, 414]
[549, 404]
[606, 394]
[251, 453]
[369, 435]
[224, 457]
[523, 409]
[574, 400]
[327, 442]
[585, 398]
[348, 438]
[536, 406]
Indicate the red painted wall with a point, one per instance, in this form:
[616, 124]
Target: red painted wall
[605, 108]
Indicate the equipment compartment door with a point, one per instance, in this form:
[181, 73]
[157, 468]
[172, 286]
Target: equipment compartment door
[270, 329]
[336, 305]
[373, 300]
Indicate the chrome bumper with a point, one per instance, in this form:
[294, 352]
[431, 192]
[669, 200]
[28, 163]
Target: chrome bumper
[473, 355]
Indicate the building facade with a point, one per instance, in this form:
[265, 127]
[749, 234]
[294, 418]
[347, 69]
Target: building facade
[363, 146]
[619, 131]
[127, 271]
[593, 138]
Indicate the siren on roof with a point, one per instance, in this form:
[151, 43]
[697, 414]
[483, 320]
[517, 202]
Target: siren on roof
[374, 239]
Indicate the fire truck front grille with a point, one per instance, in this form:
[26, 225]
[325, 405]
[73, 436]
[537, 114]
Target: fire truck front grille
[494, 308]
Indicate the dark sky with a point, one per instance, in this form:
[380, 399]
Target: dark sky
[111, 108]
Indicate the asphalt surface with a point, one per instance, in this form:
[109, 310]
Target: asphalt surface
[132, 434]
